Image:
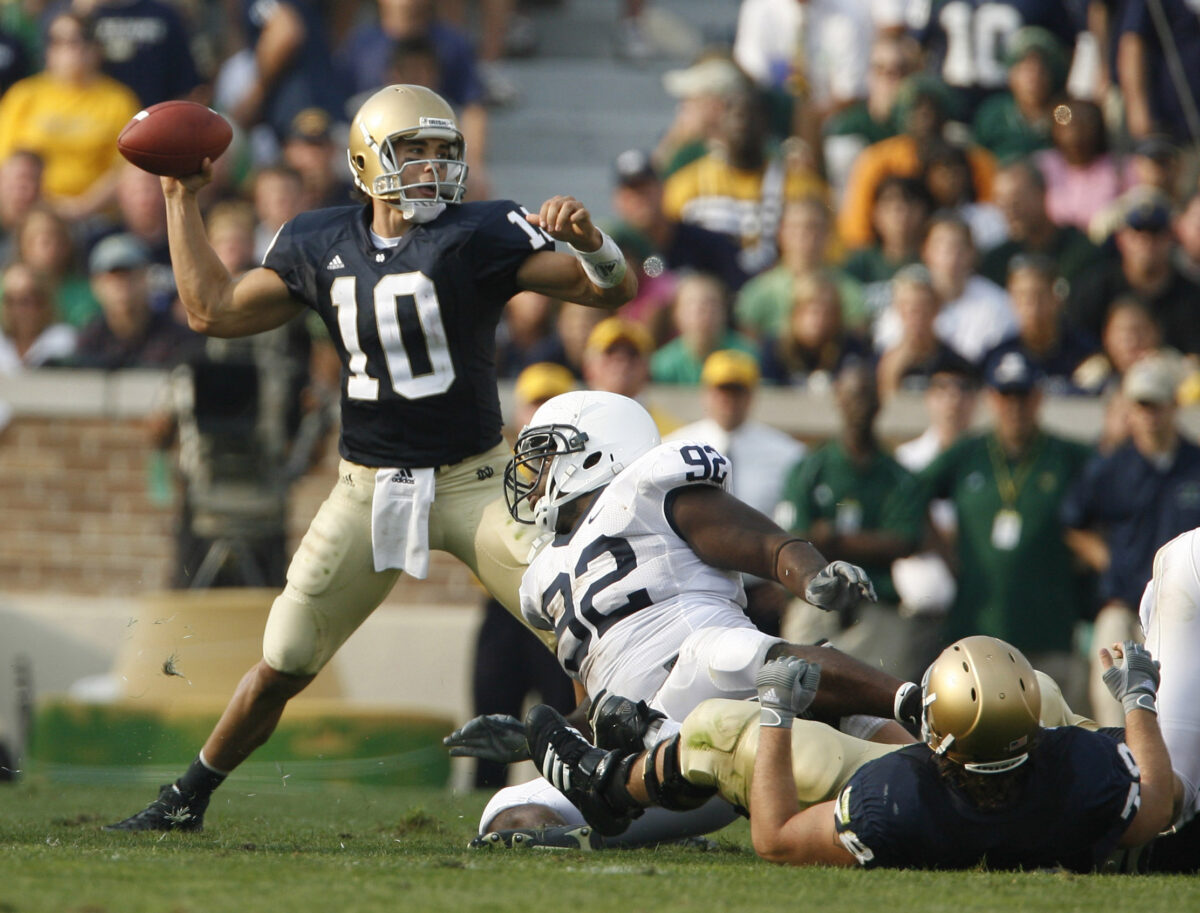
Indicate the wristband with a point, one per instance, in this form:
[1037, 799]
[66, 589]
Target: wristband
[605, 266]
[1139, 700]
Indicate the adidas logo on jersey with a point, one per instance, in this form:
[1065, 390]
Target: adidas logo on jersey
[336, 262]
[403, 477]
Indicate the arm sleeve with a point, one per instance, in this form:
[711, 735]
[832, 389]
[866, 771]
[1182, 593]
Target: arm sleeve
[501, 243]
[289, 257]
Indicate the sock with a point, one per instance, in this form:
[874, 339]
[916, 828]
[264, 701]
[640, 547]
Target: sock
[616, 793]
[199, 781]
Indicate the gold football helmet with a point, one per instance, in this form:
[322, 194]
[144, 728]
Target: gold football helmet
[397, 113]
[982, 704]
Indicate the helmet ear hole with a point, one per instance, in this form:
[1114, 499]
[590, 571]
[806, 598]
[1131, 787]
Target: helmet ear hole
[591, 459]
[360, 161]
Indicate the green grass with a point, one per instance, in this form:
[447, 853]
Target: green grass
[304, 847]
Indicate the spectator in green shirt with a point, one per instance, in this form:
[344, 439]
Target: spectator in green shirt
[855, 503]
[1017, 578]
[701, 314]
[1017, 122]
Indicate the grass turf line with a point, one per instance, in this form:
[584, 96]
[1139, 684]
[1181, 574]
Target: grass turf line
[369, 848]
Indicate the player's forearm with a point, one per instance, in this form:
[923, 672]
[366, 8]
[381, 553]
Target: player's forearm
[204, 284]
[1158, 788]
[772, 793]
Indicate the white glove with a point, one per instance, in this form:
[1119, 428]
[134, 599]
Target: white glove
[786, 686]
[1133, 677]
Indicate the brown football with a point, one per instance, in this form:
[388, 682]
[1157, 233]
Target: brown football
[174, 137]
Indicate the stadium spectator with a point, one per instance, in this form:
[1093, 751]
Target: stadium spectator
[974, 71]
[70, 115]
[1145, 270]
[44, 242]
[293, 67]
[30, 334]
[922, 106]
[918, 352]
[701, 315]
[946, 173]
[817, 797]
[309, 150]
[145, 45]
[1080, 176]
[1129, 503]
[764, 305]
[763, 456]
[899, 214]
[855, 503]
[130, 332]
[974, 314]
[1130, 333]
[1185, 256]
[277, 192]
[870, 119]
[1021, 195]
[1055, 349]
[20, 190]
[566, 345]
[739, 188]
[637, 202]
[924, 581]
[1017, 122]
[616, 359]
[815, 343]
[527, 324]
[1016, 578]
[702, 92]
[1159, 86]
[510, 664]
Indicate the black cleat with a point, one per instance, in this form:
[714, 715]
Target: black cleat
[171, 811]
[576, 768]
[559, 837]
[618, 722]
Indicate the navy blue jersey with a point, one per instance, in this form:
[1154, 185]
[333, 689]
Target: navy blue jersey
[415, 325]
[1081, 794]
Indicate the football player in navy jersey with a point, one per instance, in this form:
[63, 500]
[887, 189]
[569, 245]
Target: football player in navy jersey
[991, 784]
[411, 287]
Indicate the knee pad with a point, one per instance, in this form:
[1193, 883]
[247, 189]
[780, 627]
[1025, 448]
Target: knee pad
[734, 656]
[673, 792]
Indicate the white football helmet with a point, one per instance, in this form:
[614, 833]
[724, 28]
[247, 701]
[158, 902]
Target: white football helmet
[397, 113]
[574, 444]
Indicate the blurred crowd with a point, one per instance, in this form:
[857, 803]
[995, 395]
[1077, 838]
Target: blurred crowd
[968, 200]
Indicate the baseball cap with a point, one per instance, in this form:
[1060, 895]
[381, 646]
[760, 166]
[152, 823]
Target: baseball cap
[1151, 212]
[115, 252]
[1010, 372]
[311, 125]
[634, 166]
[729, 366]
[540, 381]
[713, 75]
[1151, 379]
[611, 330]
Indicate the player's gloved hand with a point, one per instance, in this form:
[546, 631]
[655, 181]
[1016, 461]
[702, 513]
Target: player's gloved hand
[839, 586]
[786, 686]
[494, 737]
[1132, 677]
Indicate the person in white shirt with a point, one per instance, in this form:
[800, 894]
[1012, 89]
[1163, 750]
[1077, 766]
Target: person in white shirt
[763, 455]
[30, 335]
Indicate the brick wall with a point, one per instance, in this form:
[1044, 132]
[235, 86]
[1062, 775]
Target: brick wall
[78, 514]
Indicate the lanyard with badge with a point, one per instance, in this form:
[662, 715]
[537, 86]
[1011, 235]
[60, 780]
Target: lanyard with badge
[1006, 527]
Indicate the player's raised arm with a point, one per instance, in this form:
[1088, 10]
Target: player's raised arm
[596, 274]
[216, 303]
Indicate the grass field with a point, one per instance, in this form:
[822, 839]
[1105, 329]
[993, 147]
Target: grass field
[308, 848]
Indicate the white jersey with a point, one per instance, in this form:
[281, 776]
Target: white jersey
[1170, 616]
[623, 590]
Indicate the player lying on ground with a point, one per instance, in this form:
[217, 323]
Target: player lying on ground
[989, 785]
[641, 586]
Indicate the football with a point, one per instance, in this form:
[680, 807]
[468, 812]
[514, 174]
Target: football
[173, 137]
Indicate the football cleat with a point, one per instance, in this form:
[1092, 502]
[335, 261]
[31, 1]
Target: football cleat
[618, 722]
[560, 837]
[576, 768]
[171, 811]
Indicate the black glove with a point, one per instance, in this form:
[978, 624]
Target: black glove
[494, 737]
